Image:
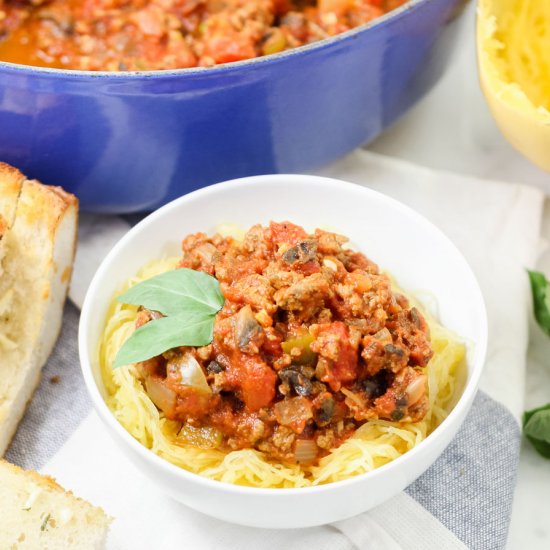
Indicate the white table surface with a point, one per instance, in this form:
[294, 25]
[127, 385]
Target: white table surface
[452, 129]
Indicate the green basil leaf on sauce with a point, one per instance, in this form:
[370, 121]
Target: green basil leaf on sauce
[540, 289]
[176, 291]
[189, 300]
[160, 335]
[536, 427]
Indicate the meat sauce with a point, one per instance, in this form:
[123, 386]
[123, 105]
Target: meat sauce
[310, 344]
[129, 35]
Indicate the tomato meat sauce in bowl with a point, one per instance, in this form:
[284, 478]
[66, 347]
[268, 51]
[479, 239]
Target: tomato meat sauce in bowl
[315, 384]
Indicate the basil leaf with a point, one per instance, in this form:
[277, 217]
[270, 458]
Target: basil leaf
[536, 427]
[527, 415]
[176, 291]
[541, 299]
[160, 335]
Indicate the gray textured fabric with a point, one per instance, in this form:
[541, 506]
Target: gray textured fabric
[58, 406]
[469, 489]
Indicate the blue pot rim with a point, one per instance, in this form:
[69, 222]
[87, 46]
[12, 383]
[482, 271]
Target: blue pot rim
[397, 13]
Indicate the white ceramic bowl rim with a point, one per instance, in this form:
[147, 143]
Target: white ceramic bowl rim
[393, 14]
[86, 318]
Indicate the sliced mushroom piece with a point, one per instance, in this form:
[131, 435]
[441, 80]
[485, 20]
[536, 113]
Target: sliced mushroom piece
[394, 350]
[325, 411]
[397, 414]
[303, 252]
[145, 315]
[246, 327]
[376, 385]
[300, 383]
[214, 367]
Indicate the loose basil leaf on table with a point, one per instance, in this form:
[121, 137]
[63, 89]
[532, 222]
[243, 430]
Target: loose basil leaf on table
[536, 423]
[536, 427]
[189, 300]
[540, 289]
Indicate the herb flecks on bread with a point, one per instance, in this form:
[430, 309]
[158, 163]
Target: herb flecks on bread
[41, 515]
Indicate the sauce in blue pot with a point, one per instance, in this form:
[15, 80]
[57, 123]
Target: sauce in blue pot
[131, 141]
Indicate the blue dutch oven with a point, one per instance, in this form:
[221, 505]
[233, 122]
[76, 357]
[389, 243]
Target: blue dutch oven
[127, 142]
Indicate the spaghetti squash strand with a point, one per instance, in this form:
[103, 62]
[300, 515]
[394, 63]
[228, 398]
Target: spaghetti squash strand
[374, 444]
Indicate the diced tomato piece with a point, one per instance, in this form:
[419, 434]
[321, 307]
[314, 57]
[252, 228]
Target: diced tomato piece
[286, 232]
[332, 341]
[224, 48]
[191, 403]
[253, 379]
[309, 268]
[386, 404]
[258, 384]
[273, 346]
[242, 269]
[339, 308]
[281, 6]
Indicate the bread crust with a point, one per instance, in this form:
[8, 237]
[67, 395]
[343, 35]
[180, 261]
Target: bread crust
[42, 514]
[45, 481]
[11, 182]
[38, 248]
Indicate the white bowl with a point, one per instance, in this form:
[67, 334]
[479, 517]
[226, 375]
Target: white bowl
[401, 241]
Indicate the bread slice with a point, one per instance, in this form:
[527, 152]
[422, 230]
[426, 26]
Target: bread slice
[39, 515]
[38, 246]
[11, 181]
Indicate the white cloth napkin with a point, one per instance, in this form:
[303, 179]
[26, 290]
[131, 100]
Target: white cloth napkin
[495, 225]
[147, 519]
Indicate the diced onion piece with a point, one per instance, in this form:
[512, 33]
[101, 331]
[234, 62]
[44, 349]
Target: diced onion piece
[204, 437]
[192, 374]
[353, 398]
[294, 413]
[306, 451]
[416, 389]
[331, 264]
[160, 394]
[384, 336]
